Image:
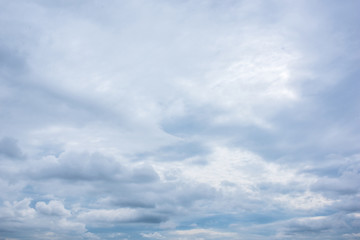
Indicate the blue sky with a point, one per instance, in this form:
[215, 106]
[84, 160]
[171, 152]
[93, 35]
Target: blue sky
[179, 119]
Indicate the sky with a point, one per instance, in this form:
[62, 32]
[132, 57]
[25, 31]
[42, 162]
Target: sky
[180, 120]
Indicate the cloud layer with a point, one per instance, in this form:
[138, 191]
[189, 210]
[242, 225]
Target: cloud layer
[179, 120]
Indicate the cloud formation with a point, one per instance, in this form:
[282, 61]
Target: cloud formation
[179, 120]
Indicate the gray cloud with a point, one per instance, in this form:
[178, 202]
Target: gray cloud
[348, 204]
[344, 185]
[331, 226]
[79, 166]
[9, 148]
[144, 174]
[346, 181]
[74, 166]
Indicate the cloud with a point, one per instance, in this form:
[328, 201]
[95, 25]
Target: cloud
[154, 235]
[348, 203]
[10, 149]
[352, 236]
[207, 233]
[19, 208]
[43, 221]
[179, 120]
[117, 215]
[72, 166]
[329, 225]
[53, 208]
[144, 173]
[344, 185]
[112, 217]
[78, 166]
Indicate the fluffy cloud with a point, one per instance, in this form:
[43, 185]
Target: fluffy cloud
[53, 208]
[45, 221]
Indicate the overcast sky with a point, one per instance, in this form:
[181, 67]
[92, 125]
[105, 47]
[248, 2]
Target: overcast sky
[154, 119]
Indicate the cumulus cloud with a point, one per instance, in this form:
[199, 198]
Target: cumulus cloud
[20, 220]
[53, 208]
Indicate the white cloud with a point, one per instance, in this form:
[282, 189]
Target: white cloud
[53, 208]
[42, 222]
[234, 170]
[19, 209]
[208, 233]
[154, 235]
[109, 215]
[304, 200]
